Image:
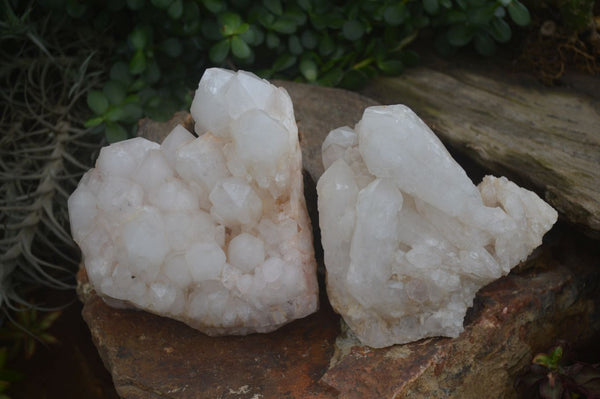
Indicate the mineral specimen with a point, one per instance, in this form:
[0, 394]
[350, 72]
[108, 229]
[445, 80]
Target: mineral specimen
[213, 230]
[408, 238]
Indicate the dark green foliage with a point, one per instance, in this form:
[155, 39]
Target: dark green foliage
[162, 46]
[550, 376]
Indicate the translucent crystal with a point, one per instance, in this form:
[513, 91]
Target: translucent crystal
[211, 230]
[408, 238]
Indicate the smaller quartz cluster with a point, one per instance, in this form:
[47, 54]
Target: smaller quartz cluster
[408, 238]
[213, 230]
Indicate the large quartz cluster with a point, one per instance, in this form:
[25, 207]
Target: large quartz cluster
[213, 230]
[408, 238]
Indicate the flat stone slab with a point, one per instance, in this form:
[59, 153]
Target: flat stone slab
[552, 295]
[543, 138]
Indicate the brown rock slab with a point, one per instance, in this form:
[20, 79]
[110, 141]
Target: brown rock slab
[154, 357]
[512, 319]
[544, 138]
[554, 295]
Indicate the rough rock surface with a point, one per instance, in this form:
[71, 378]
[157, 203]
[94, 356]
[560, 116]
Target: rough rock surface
[408, 238]
[555, 294]
[545, 138]
[212, 231]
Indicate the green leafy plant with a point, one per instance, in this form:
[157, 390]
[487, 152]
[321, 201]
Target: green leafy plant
[482, 23]
[549, 377]
[45, 74]
[28, 329]
[160, 47]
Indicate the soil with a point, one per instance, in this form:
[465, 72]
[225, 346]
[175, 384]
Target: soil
[549, 50]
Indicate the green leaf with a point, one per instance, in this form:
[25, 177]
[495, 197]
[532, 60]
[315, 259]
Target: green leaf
[542, 359]
[161, 4]
[138, 62]
[500, 30]
[191, 11]
[396, 14]
[239, 48]
[120, 71]
[214, 6]
[97, 102]
[319, 22]
[274, 6]
[446, 3]
[331, 77]
[431, 6]
[265, 18]
[132, 98]
[556, 355]
[114, 91]
[93, 122]
[229, 22]
[272, 40]
[172, 47]
[297, 15]
[254, 36]
[47, 338]
[152, 73]
[294, 45]
[353, 30]
[175, 10]
[391, 67]
[354, 79]
[135, 4]
[309, 39]
[459, 35]
[114, 114]
[48, 320]
[284, 25]
[283, 62]
[305, 5]
[219, 51]
[480, 15]
[115, 132]
[138, 38]
[309, 69]
[131, 112]
[484, 44]
[455, 16]
[326, 45]
[242, 28]
[519, 13]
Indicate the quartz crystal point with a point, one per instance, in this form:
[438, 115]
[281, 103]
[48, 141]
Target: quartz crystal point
[213, 230]
[408, 238]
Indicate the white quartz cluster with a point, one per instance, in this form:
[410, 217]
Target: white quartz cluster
[408, 238]
[213, 230]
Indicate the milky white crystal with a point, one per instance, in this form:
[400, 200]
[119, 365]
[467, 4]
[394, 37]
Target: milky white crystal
[212, 230]
[408, 238]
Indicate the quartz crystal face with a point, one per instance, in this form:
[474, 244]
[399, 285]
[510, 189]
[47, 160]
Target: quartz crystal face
[408, 238]
[209, 230]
